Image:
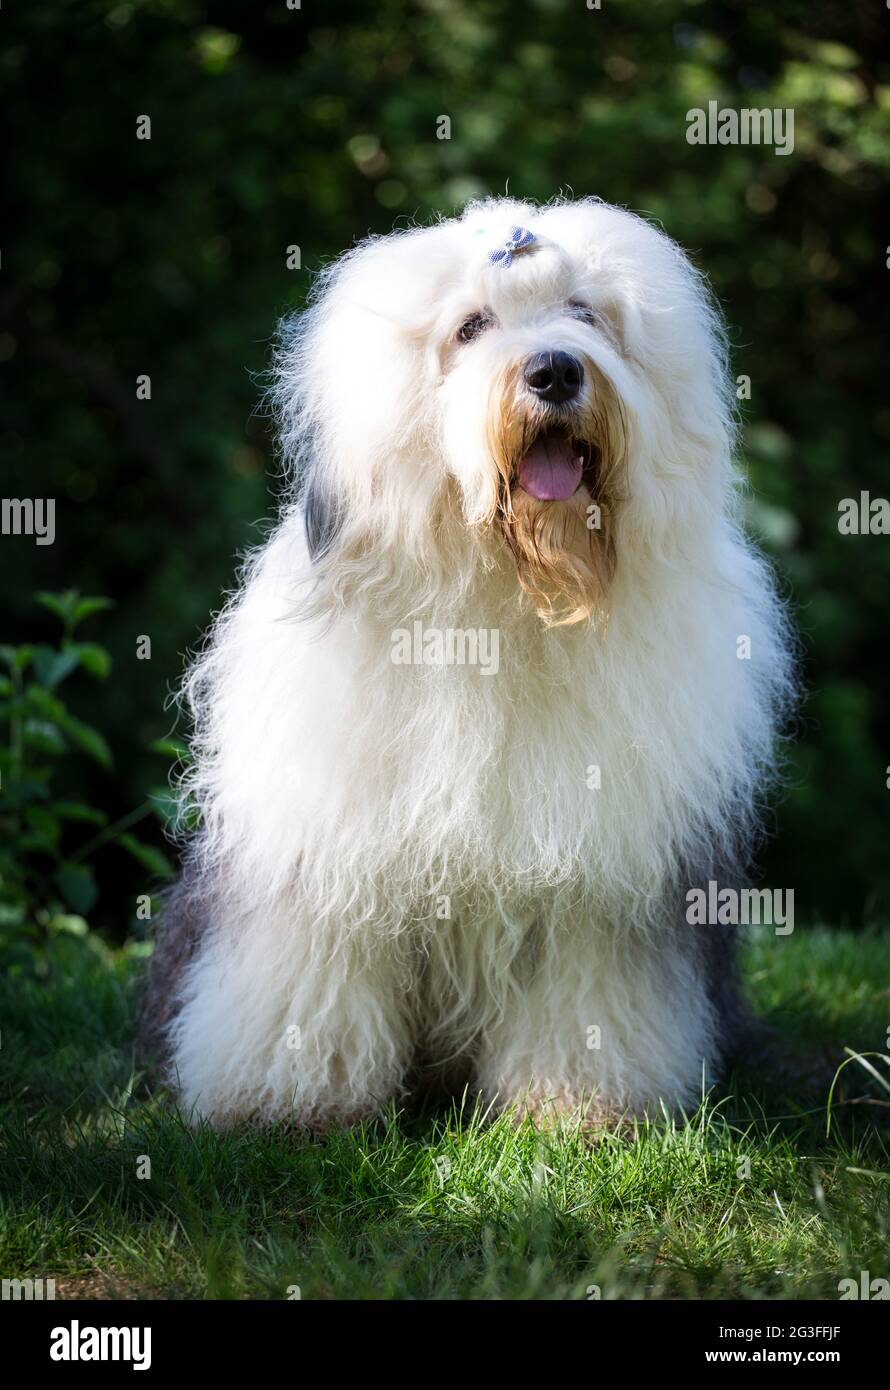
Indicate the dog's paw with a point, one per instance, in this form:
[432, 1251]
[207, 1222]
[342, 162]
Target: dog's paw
[594, 1116]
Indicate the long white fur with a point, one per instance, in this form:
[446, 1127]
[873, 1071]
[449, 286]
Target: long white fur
[345, 798]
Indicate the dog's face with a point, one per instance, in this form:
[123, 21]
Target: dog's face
[532, 424]
[550, 377]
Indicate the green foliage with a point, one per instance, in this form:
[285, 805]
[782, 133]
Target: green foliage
[47, 881]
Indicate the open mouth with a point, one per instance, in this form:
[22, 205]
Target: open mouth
[554, 467]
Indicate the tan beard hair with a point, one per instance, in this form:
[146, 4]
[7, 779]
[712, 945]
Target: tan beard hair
[563, 564]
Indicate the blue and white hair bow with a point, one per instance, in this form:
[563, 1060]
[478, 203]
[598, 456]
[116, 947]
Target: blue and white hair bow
[520, 239]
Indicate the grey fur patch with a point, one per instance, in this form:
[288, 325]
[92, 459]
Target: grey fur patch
[323, 516]
[719, 951]
[184, 920]
[715, 948]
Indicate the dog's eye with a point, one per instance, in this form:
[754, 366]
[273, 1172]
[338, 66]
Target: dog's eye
[473, 326]
[579, 310]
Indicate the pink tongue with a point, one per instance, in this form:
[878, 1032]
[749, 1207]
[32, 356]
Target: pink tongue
[551, 470]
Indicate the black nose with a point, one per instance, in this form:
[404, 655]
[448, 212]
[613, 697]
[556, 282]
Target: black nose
[553, 376]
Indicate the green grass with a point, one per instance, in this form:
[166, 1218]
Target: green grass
[436, 1203]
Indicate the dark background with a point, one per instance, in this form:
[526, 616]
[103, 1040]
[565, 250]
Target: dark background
[273, 127]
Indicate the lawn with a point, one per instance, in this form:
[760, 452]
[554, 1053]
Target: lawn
[751, 1198]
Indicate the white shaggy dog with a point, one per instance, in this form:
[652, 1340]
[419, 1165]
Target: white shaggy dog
[510, 433]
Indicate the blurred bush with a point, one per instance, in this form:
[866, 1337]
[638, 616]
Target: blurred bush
[49, 834]
[274, 127]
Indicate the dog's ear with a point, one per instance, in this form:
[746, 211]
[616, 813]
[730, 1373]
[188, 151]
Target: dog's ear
[322, 514]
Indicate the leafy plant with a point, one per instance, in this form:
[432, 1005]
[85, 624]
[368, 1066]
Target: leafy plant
[47, 882]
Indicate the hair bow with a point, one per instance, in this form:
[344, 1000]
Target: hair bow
[520, 239]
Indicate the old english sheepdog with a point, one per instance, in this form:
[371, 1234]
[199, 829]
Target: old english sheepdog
[506, 680]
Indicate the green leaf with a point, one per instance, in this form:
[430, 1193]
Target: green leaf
[33, 843]
[19, 790]
[89, 740]
[71, 608]
[60, 604]
[168, 805]
[148, 856]
[91, 657]
[41, 819]
[44, 703]
[86, 607]
[43, 736]
[170, 747]
[69, 923]
[17, 658]
[77, 886]
[51, 667]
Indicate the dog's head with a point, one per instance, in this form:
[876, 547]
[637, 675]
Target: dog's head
[550, 380]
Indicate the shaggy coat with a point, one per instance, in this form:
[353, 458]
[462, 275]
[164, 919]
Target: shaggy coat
[484, 866]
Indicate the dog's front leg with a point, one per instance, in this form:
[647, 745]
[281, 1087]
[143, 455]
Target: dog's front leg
[281, 1021]
[609, 1024]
